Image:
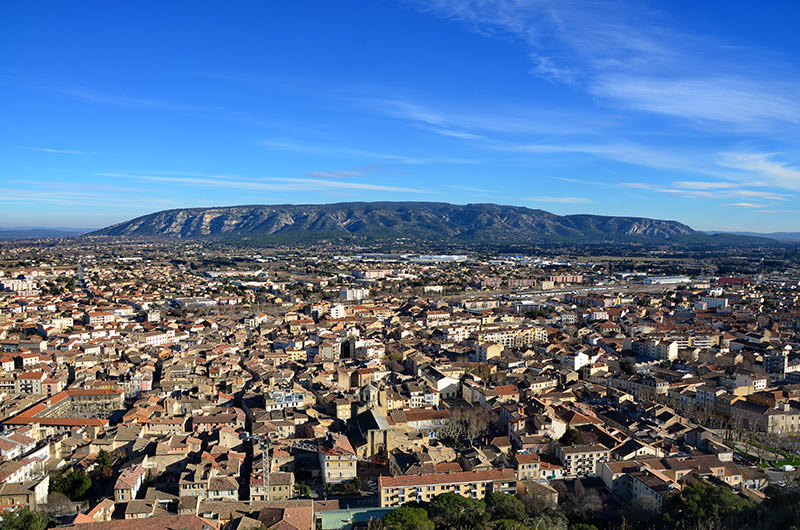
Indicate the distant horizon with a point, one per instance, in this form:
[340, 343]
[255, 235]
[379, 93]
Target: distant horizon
[686, 111]
[92, 229]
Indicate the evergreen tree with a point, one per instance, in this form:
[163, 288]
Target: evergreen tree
[407, 518]
[22, 519]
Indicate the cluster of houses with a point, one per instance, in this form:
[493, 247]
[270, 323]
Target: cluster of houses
[224, 396]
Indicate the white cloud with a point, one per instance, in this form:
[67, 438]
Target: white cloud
[745, 205]
[704, 185]
[782, 212]
[503, 118]
[635, 57]
[268, 183]
[733, 100]
[716, 192]
[346, 185]
[336, 174]
[67, 198]
[468, 188]
[458, 134]
[762, 164]
[61, 151]
[340, 151]
[628, 153]
[561, 200]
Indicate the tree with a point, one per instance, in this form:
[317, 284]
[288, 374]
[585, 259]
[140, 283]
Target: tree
[549, 521]
[453, 510]
[781, 510]
[477, 422]
[22, 519]
[536, 504]
[571, 437]
[104, 463]
[75, 484]
[408, 518]
[505, 506]
[508, 524]
[301, 490]
[57, 504]
[581, 506]
[702, 501]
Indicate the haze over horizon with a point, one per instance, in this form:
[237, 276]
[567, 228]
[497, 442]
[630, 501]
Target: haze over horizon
[687, 113]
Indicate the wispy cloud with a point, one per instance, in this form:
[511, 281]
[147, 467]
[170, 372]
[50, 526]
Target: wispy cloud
[469, 188]
[458, 134]
[628, 153]
[61, 151]
[714, 191]
[580, 181]
[745, 205]
[362, 171]
[782, 212]
[732, 100]
[267, 183]
[705, 185]
[93, 96]
[347, 185]
[71, 198]
[298, 147]
[336, 174]
[96, 97]
[621, 52]
[561, 200]
[472, 124]
[764, 167]
[342, 151]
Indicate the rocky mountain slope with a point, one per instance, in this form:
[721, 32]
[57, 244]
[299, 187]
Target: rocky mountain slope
[360, 221]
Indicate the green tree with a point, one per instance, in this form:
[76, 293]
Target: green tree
[301, 490]
[453, 510]
[571, 437]
[781, 510]
[508, 524]
[407, 518]
[702, 501]
[505, 506]
[104, 463]
[75, 484]
[583, 526]
[22, 519]
[550, 520]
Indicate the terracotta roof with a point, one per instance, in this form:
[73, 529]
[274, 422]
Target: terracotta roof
[129, 477]
[464, 477]
[526, 458]
[171, 522]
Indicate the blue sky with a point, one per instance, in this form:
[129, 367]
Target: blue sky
[681, 110]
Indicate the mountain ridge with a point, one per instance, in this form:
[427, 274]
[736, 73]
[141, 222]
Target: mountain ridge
[364, 221]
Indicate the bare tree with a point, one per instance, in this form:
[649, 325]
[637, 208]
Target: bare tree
[470, 423]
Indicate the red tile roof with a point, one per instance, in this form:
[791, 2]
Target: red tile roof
[170, 522]
[464, 477]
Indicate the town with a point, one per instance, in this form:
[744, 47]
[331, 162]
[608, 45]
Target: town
[197, 385]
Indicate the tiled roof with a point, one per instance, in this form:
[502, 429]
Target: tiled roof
[171, 522]
[464, 477]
